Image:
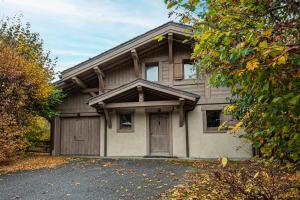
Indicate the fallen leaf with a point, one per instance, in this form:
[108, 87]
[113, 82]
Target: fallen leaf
[224, 161]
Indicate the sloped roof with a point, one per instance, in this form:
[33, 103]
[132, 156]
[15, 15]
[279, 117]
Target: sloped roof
[146, 84]
[170, 27]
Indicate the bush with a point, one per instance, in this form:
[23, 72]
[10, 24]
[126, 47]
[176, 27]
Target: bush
[237, 180]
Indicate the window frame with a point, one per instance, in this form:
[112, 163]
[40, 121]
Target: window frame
[151, 64]
[183, 70]
[125, 130]
[213, 128]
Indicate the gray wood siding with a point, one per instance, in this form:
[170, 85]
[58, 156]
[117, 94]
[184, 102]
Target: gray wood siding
[119, 76]
[194, 88]
[219, 92]
[75, 103]
[125, 73]
[165, 68]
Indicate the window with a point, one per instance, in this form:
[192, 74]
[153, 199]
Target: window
[213, 118]
[152, 72]
[188, 70]
[125, 122]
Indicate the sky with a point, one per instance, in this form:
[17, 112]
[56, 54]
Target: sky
[75, 30]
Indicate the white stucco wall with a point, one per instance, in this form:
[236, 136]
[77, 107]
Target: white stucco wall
[128, 144]
[102, 128]
[214, 145]
[202, 145]
[178, 136]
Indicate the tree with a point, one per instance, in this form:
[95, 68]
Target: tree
[26, 72]
[252, 46]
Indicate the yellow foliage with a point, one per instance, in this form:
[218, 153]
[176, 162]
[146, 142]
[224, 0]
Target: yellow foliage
[230, 108]
[241, 72]
[253, 64]
[237, 127]
[282, 59]
[263, 44]
[268, 33]
[34, 162]
[24, 84]
[205, 36]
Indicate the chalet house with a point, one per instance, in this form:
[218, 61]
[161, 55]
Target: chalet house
[143, 98]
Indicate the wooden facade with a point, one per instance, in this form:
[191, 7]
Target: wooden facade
[100, 88]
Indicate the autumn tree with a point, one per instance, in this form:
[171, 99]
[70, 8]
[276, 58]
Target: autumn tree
[252, 46]
[26, 91]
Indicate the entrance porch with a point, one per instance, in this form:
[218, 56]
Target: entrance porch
[143, 118]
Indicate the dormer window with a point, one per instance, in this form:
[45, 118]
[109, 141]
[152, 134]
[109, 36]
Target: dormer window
[152, 72]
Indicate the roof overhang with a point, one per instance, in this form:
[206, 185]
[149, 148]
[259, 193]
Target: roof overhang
[158, 95]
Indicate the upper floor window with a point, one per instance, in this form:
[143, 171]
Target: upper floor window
[152, 72]
[188, 70]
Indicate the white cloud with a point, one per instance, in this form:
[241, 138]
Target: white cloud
[77, 13]
[73, 29]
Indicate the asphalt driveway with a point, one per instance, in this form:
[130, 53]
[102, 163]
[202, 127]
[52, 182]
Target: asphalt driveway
[94, 179]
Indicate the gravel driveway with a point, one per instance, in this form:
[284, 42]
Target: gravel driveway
[94, 179]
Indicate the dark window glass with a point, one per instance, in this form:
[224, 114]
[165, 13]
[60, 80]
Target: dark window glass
[125, 121]
[189, 71]
[213, 118]
[152, 72]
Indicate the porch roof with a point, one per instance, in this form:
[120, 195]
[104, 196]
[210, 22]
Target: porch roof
[152, 94]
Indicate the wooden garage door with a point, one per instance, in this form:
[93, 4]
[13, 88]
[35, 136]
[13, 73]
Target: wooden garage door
[159, 134]
[80, 136]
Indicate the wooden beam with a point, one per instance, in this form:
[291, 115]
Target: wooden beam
[106, 113]
[136, 63]
[170, 44]
[101, 77]
[82, 85]
[181, 111]
[88, 90]
[142, 104]
[141, 93]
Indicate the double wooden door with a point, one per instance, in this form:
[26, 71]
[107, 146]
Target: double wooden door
[159, 134]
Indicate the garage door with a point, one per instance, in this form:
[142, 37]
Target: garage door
[80, 136]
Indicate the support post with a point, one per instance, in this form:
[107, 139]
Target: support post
[101, 77]
[135, 62]
[181, 112]
[106, 113]
[141, 93]
[170, 45]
